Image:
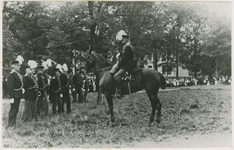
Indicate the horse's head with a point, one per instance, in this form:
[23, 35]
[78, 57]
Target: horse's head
[89, 60]
[95, 61]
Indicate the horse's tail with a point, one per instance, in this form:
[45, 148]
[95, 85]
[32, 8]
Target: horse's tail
[162, 81]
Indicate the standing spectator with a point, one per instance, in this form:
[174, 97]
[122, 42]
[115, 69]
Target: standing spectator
[194, 81]
[31, 92]
[14, 86]
[78, 84]
[55, 91]
[47, 84]
[42, 105]
[85, 86]
[90, 85]
[70, 74]
[65, 88]
[6, 70]
[4, 86]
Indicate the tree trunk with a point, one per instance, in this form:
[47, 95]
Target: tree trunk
[155, 56]
[177, 62]
[216, 67]
[34, 50]
[195, 73]
[93, 26]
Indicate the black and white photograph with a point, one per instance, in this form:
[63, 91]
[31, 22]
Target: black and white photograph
[116, 74]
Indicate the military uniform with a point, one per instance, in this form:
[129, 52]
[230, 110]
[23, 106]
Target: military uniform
[55, 91]
[47, 82]
[78, 84]
[14, 86]
[126, 64]
[42, 105]
[30, 96]
[65, 92]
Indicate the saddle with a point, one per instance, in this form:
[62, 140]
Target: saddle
[128, 75]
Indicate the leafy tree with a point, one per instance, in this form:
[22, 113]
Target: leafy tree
[27, 23]
[217, 46]
[174, 31]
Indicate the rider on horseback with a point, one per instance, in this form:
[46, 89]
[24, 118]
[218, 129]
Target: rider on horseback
[125, 63]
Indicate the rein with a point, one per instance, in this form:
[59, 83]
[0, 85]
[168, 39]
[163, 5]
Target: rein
[102, 69]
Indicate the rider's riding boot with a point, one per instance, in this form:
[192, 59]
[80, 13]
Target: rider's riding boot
[118, 89]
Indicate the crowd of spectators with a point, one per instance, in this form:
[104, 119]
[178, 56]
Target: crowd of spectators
[201, 80]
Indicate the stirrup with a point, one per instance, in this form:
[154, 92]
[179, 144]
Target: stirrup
[118, 95]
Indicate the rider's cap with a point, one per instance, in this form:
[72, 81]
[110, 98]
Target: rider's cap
[120, 35]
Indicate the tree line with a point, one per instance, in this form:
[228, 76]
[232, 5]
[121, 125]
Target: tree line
[181, 33]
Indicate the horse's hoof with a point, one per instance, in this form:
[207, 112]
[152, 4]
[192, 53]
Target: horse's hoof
[150, 124]
[158, 121]
[111, 124]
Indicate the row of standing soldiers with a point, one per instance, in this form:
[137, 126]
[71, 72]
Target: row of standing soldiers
[39, 89]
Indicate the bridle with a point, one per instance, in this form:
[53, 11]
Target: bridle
[87, 58]
[104, 69]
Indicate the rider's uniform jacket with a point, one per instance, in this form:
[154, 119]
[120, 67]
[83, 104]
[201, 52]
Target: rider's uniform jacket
[14, 85]
[126, 57]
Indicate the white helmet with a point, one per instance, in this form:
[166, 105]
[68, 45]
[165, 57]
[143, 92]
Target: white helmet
[60, 67]
[119, 35]
[20, 59]
[32, 64]
[65, 68]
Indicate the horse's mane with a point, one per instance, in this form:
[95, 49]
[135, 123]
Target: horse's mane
[104, 61]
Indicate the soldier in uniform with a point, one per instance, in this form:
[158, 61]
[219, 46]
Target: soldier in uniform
[125, 63]
[47, 82]
[55, 91]
[78, 84]
[70, 75]
[14, 86]
[30, 95]
[42, 105]
[65, 88]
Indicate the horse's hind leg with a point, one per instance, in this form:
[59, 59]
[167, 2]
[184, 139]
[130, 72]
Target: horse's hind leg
[158, 107]
[155, 103]
[110, 104]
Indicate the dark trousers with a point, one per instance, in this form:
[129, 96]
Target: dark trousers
[29, 110]
[42, 104]
[119, 75]
[66, 99]
[56, 102]
[13, 112]
[80, 95]
[46, 104]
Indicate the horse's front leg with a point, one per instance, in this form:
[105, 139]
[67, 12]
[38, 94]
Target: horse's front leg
[110, 105]
[99, 98]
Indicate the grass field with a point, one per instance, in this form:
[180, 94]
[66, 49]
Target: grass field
[202, 110]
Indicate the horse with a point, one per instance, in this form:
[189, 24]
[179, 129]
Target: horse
[145, 78]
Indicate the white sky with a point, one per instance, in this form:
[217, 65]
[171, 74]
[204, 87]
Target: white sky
[220, 8]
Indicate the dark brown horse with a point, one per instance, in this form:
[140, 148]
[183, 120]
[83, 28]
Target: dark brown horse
[147, 79]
